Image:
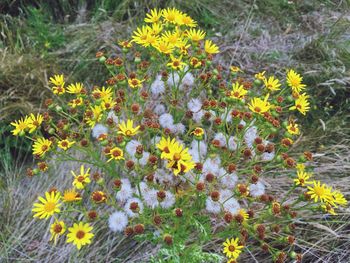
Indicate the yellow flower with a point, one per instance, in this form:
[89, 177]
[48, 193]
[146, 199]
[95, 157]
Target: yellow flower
[176, 63]
[272, 84]
[171, 15]
[338, 198]
[41, 146]
[210, 47]
[198, 132]
[108, 104]
[294, 81]
[154, 16]
[116, 154]
[135, 83]
[329, 209]
[301, 104]
[243, 213]
[195, 62]
[293, 128]
[71, 195]
[260, 106]
[164, 145]
[179, 159]
[75, 88]
[156, 29]
[57, 229]
[231, 248]
[195, 35]
[48, 206]
[20, 126]
[75, 102]
[302, 179]
[186, 21]
[319, 192]
[238, 91]
[235, 69]
[125, 44]
[81, 179]
[102, 93]
[97, 112]
[151, 39]
[127, 129]
[140, 35]
[65, 144]
[173, 38]
[80, 234]
[57, 80]
[34, 122]
[260, 75]
[164, 47]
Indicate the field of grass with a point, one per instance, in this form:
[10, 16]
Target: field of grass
[40, 38]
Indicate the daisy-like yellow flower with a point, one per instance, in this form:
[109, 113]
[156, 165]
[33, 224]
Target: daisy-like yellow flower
[34, 122]
[301, 104]
[140, 35]
[235, 69]
[97, 112]
[260, 106]
[71, 195]
[164, 47]
[156, 29]
[338, 199]
[272, 84]
[171, 15]
[198, 132]
[102, 93]
[125, 44]
[127, 129]
[232, 249]
[108, 104]
[294, 81]
[179, 160]
[195, 35]
[238, 91]
[293, 128]
[150, 40]
[65, 144]
[75, 88]
[47, 207]
[195, 62]
[153, 16]
[260, 75]
[210, 47]
[243, 213]
[176, 63]
[41, 146]
[20, 126]
[319, 192]
[135, 83]
[82, 179]
[57, 229]
[75, 102]
[300, 167]
[173, 38]
[302, 179]
[164, 145]
[115, 154]
[186, 20]
[57, 80]
[329, 209]
[80, 234]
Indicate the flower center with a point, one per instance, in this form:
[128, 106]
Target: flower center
[257, 109]
[57, 229]
[231, 248]
[116, 153]
[80, 178]
[44, 148]
[49, 207]
[80, 234]
[128, 132]
[177, 156]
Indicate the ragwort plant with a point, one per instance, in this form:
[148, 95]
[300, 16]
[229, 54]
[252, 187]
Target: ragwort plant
[173, 150]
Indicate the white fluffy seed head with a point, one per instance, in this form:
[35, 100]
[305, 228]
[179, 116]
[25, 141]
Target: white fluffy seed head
[98, 130]
[118, 221]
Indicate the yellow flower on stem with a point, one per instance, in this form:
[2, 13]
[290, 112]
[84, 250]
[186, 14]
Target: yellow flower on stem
[65, 144]
[57, 80]
[71, 195]
[302, 179]
[116, 154]
[195, 35]
[232, 249]
[57, 229]
[154, 16]
[260, 106]
[198, 132]
[34, 122]
[176, 63]
[20, 126]
[127, 129]
[272, 84]
[102, 93]
[179, 160]
[125, 44]
[171, 15]
[41, 146]
[238, 91]
[301, 104]
[96, 115]
[319, 192]
[164, 47]
[164, 145]
[76, 88]
[260, 75]
[210, 47]
[140, 35]
[235, 69]
[48, 206]
[294, 81]
[186, 21]
[293, 128]
[80, 234]
[82, 179]
[135, 83]
[338, 199]
[243, 214]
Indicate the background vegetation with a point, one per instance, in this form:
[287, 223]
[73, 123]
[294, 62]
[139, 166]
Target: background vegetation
[39, 38]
